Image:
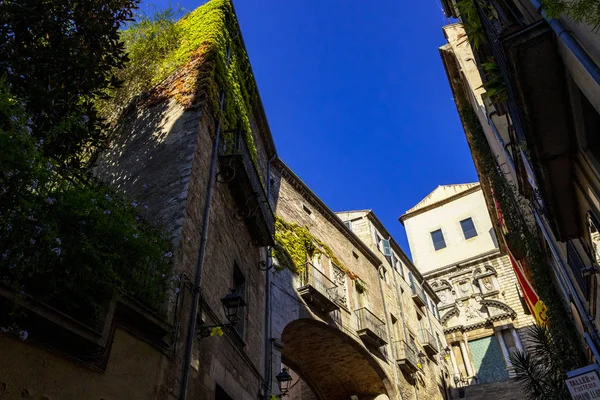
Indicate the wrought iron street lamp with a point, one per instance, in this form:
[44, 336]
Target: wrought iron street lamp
[421, 357]
[233, 305]
[284, 380]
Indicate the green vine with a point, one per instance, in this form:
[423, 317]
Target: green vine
[558, 322]
[192, 66]
[296, 246]
[467, 10]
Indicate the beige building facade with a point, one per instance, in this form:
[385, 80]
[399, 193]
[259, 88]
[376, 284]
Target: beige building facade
[346, 323]
[482, 311]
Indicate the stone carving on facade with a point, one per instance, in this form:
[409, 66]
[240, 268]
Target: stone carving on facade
[339, 278]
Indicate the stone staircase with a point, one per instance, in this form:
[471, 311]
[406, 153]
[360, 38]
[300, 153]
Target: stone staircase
[503, 390]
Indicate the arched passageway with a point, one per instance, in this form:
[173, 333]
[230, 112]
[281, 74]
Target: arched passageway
[332, 363]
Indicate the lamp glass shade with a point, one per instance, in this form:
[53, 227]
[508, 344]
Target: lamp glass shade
[233, 304]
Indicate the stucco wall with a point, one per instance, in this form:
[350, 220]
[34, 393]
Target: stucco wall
[447, 217]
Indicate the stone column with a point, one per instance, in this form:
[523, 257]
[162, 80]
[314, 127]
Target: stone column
[466, 358]
[517, 339]
[504, 349]
[453, 360]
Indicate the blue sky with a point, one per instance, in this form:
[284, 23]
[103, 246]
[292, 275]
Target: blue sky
[357, 99]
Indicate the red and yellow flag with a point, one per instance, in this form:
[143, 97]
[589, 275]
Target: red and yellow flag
[534, 303]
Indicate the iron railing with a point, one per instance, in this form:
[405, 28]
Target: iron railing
[237, 145]
[494, 32]
[315, 278]
[418, 291]
[428, 339]
[367, 320]
[577, 267]
[406, 352]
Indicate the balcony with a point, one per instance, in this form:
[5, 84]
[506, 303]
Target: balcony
[371, 329]
[317, 289]
[418, 294]
[539, 109]
[406, 357]
[429, 343]
[238, 169]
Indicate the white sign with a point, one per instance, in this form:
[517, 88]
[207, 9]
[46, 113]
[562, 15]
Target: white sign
[584, 387]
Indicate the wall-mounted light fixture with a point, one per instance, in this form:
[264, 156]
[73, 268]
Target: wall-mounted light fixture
[233, 305]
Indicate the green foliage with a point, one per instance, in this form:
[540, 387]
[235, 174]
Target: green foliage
[296, 246]
[158, 49]
[467, 10]
[496, 88]
[59, 56]
[360, 286]
[540, 371]
[582, 11]
[70, 242]
[148, 39]
[559, 324]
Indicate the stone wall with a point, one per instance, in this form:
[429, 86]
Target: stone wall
[161, 158]
[404, 310]
[294, 202]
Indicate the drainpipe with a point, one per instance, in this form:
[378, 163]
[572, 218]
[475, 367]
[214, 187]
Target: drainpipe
[567, 38]
[268, 341]
[191, 335]
[387, 322]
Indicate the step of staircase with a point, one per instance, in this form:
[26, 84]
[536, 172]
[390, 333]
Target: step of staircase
[502, 390]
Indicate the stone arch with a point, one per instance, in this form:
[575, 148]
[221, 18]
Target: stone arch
[451, 313]
[508, 311]
[332, 363]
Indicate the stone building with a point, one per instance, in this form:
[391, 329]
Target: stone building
[482, 310]
[336, 319]
[161, 156]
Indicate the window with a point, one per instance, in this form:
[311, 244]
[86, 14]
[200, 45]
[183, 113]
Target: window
[348, 224]
[383, 274]
[468, 228]
[306, 209]
[438, 239]
[239, 286]
[377, 240]
[398, 265]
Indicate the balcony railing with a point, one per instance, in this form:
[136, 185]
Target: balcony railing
[406, 356]
[418, 294]
[316, 288]
[494, 30]
[429, 342]
[371, 329]
[577, 267]
[237, 167]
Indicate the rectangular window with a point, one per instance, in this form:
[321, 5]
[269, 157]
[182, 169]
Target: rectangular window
[438, 239]
[468, 228]
[239, 286]
[348, 224]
